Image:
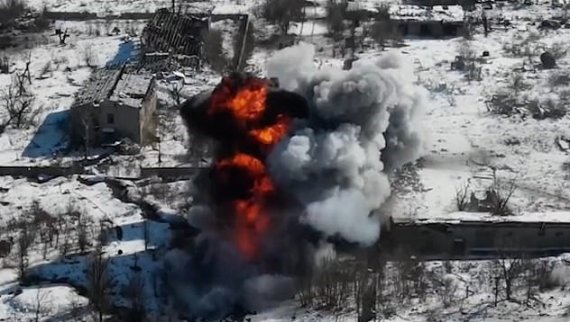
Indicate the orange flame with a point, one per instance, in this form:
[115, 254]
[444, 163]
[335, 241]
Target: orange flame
[247, 104]
[271, 135]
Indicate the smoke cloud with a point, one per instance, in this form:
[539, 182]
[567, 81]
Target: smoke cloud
[363, 123]
[294, 166]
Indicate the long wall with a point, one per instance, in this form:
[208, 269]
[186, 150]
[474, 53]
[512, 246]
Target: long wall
[477, 239]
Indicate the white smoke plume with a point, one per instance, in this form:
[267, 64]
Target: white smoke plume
[364, 123]
[336, 164]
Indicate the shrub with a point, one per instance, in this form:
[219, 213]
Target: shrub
[559, 79]
[502, 104]
[498, 196]
[282, 12]
[10, 10]
[549, 109]
[557, 50]
[461, 197]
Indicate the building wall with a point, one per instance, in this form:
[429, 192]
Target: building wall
[147, 119]
[478, 239]
[126, 122]
[429, 29]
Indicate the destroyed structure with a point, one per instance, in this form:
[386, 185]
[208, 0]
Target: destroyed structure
[113, 105]
[178, 36]
[433, 22]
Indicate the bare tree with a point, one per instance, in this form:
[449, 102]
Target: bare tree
[18, 102]
[283, 12]
[461, 197]
[82, 236]
[99, 282]
[336, 12]
[175, 89]
[10, 10]
[24, 242]
[146, 234]
[499, 195]
[135, 294]
[62, 36]
[5, 64]
[40, 304]
[88, 55]
[86, 133]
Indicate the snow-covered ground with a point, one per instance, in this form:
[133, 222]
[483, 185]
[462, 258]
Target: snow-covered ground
[464, 144]
[115, 7]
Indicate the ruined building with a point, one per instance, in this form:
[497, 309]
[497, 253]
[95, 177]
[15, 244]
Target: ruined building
[175, 35]
[113, 105]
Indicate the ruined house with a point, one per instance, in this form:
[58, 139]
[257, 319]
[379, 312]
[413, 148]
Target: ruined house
[178, 35]
[430, 22]
[112, 105]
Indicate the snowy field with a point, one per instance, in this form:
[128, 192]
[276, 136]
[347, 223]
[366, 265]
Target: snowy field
[465, 145]
[114, 7]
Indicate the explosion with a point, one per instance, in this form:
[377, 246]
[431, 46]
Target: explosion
[245, 188]
[295, 168]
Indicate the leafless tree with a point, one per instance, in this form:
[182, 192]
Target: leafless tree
[283, 12]
[62, 36]
[18, 102]
[10, 10]
[461, 197]
[135, 294]
[410, 277]
[82, 235]
[88, 55]
[86, 133]
[146, 234]
[90, 28]
[336, 12]
[499, 195]
[175, 89]
[99, 282]
[5, 64]
[508, 268]
[24, 242]
[40, 304]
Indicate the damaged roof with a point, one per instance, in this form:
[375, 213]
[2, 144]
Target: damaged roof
[115, 85]
[131, 89]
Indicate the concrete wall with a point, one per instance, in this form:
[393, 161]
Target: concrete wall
[89, 122]
[128, 121]
[169, 173]
[36, 171]
[478, 239]
[430, 29]
[147, 129]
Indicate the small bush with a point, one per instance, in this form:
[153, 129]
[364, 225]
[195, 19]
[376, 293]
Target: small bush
[282, 12]
[558, 50]
[499, 195]
[549, 109]
[383, 12]
[384, 30]
[522, 47]
[502, 104]
[461, 197]
[559, 79]
[10, 10]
